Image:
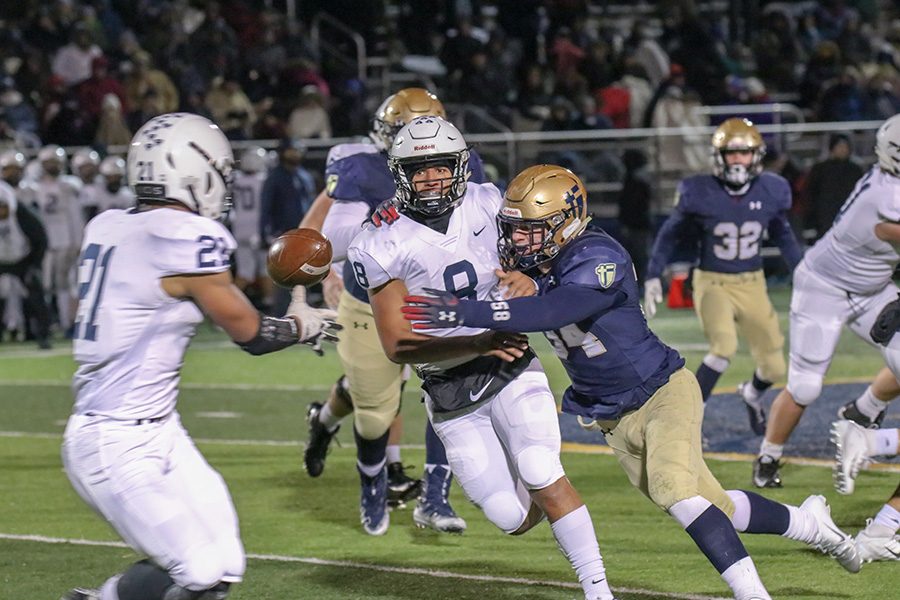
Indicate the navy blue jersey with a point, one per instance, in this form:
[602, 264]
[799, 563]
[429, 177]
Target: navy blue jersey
[728, 229]
[588, 307]
[365, 177]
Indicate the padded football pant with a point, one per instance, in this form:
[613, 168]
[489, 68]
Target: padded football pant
[159, 493]
[819, 311]
[659, 446]
[374, 380]
[511, 439]
[726, 302]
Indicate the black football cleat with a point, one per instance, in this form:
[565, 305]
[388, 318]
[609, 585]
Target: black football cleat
[81, 594]
[765, 472]
[850, 412]
[401, 487]
[318, 441]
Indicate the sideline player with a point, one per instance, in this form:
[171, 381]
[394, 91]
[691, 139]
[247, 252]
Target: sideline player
[729, 211]
[358, 180]
[491, 405]
[245, 223]
[625, 382]
[845, 279]
[145, 276]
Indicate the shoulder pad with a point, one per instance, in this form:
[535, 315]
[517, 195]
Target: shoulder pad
[691, 188]
[190, 244]
[778, 188]
[342, 151]
[595, 260]
[375, 255]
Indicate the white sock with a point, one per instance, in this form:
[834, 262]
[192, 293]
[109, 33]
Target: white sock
[327, 418]
[741, 517]
[109, 590]
[869, 405]
[393, 453]
[889, 517]
[370, 470]
[882, 442]
[767, 448]
[744, 581]
[576, 538]
[716, 363]
[802, 527]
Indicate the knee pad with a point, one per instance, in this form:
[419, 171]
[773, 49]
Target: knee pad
[538, 467]
[203, 570]
[504, 510]
[771, 366]
[372, 424]
[804, 387]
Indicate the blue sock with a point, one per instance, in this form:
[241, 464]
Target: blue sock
[760, 385]
[767, 516]
[371, 452]
[435, 454]
[716, 537]
[707, 378]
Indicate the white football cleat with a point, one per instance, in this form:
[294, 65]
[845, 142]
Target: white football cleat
[851, 454]
[877, 542]
[831, 539]
[81, 594]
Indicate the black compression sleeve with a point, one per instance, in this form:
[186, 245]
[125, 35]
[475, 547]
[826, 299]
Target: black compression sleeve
[274, 334]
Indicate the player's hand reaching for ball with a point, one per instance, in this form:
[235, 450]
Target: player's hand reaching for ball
[316, 325]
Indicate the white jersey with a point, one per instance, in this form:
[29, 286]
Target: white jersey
[341, 151]
[130, 336]
[245, 213]
[849, 255]
[97, 198]
[461, 261]
[56, 201]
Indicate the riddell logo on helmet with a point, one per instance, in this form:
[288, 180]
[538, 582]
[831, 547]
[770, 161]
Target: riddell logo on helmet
[425, 147]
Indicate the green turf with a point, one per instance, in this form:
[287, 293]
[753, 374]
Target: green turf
[283, 512]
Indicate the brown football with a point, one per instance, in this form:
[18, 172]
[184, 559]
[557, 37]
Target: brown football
[299, 257]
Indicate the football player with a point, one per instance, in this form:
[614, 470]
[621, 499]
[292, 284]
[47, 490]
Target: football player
[486, 394]
[845, 279]
[245, 222]
[856, 446]
[727, 214]
[108, 190]
[625, 382]
[358, 180]
[145, 275]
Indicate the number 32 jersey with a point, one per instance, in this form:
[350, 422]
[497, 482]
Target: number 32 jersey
[462, 261]
[729, 229]
[130, 336]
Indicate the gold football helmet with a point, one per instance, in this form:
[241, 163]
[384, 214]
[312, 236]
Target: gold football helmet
[399, 109]
[737, 135]
[546, 203]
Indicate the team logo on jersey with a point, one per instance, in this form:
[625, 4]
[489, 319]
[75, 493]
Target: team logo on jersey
[606, 274]
[331, 183]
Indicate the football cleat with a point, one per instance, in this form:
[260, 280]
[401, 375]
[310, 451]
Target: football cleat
[851, 455]
[433, 509]
[318, 441]
[850, 412]
[373, 509]
[877, 542]
[81, 594]
[755, 410]
[765, 472]
[401, 487]
[831, 540]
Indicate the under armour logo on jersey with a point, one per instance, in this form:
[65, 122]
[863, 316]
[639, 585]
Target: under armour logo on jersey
[606, 274]
[447, 315]
[357, 325]
[756, 205]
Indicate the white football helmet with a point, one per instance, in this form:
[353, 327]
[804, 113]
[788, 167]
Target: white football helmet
[887, 146]
[52, 152]
[185, 158]
[253, 160]
[112, 166]
[428, 141]
[85, 156]
[12, 158]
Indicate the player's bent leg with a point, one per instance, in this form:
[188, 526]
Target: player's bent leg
[715, 308]
[758, 322]
[323, 423]
[433, 509]
[870, 408]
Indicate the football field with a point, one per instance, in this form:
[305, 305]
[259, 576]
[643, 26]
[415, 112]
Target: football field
[303, 536]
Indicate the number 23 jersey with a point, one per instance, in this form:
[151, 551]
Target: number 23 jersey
[462, 261]
[130, 336]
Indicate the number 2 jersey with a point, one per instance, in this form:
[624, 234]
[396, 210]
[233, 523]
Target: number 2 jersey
[849, 255]
[729, 229]
[130, 336]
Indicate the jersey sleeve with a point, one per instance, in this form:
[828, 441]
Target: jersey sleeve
[342, 180]
[595, 266]
[196, 246]
[370, 259]
[889, 203]
[342, 223]
[671, 231]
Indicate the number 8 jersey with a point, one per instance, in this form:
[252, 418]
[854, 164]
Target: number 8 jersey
[130, 336]
[461, 261]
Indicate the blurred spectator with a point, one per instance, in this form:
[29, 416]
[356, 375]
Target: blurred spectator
[597, 66]
[62, 119]
[461, 43]
[309, 119]
[231, 109]
[830, 182]
[567, 56]
[675, 105]
[823, 67]
[15, 110]
[880, 99]
[112, 129]
[648, 54]
[73, 62]
[92, 91]
[143, 78]
[635, 81]
[843, 100]
[534, 95]
[634, 202]
[776, 50]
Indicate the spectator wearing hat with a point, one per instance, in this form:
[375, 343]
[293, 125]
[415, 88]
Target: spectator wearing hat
[830, 183]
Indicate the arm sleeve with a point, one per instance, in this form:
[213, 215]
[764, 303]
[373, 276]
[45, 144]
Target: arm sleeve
[560, 307]
[342, 223]
[782, 235]
[666, 240]
[34, 230]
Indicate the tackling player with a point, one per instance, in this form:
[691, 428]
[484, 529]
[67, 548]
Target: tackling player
[726, 214]
[145, 276]
[358, 180]
[845, 279]
[625, 382]
[486, 394]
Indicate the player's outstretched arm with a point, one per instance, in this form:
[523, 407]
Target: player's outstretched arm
[402, 345]
[315, 216]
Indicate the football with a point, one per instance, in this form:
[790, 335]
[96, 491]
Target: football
[299, 257]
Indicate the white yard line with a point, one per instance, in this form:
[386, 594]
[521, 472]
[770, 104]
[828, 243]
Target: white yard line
[374, 567]
[250, 387]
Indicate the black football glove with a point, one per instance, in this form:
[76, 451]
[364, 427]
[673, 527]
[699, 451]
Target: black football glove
[439, 310]
[886, 323]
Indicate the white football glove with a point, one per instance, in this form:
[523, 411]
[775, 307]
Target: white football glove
[653, 295]
[317, 325]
